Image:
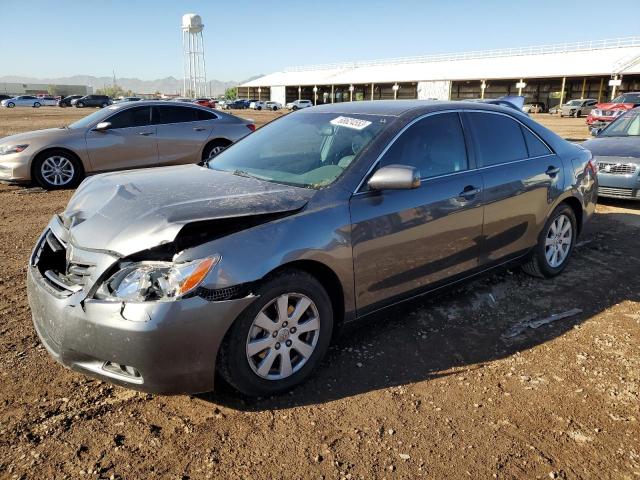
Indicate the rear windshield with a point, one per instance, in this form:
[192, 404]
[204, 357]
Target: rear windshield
[309, 150]
[627, 98]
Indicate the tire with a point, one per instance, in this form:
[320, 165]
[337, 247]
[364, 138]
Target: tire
[71, 171]
[259, 108]
[79, 104]
[11, 105]
[578, 114]
[275, 109]
[214, 148]
[36, 105]
[561, 115]
[295, 107]
[539, 264]
[104, 105]
[248, 374]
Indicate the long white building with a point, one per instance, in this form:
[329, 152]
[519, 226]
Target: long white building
[545, 73]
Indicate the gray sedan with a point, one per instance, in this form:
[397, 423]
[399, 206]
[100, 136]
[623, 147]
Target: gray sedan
[118, 137]
[616, 149]
[159, 279]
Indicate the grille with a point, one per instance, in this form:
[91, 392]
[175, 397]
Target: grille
[219, 294]
[607, 113]
[50, 259]
[618, 168]
[615, 192]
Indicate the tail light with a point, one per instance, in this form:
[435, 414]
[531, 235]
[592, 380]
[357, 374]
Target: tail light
[251, 127]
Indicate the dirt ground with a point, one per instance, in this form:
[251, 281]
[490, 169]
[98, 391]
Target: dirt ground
[460, 385]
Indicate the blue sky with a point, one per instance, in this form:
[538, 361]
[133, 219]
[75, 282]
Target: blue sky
[141, 38]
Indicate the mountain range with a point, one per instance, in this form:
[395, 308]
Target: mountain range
[162, 85]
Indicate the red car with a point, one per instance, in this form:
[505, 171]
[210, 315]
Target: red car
[605, 113]
[205, 102]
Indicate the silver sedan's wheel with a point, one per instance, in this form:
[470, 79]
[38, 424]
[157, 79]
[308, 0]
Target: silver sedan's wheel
[558, 241]
[57, 170]
[216, 150]
[283, 336]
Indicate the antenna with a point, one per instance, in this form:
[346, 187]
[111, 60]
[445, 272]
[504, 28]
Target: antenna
[195, 77]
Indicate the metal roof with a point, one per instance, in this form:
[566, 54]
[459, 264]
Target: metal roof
[601, 57]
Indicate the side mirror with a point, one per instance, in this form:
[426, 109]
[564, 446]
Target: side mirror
[395, 177]
[595, 132]
[102, 126]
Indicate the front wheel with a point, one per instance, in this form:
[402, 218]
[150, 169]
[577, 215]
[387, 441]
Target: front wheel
[275, 108]
[57, 169]
[11, 105]
[555, 244]
[104, 105]
[578, 114]
[294, 108]
[279, 340]
[80, 105]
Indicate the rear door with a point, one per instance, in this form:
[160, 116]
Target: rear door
[182, 132]
[522, 177]
[129, 143]
[405, 240]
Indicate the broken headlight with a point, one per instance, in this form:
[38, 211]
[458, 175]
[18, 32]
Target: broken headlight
[156, 281]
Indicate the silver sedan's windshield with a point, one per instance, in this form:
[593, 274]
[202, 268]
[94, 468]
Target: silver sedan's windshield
[304, 149]
[85, 122]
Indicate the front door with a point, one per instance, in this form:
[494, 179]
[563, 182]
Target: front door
[129, 143]
[406, 240]
[522, 179]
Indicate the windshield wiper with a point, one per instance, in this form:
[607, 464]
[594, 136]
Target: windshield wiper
[242, 173]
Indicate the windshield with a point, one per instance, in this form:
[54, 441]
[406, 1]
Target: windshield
[574, 103]
[309, 150]
[628, 125]
[627, 98]
[89, 120]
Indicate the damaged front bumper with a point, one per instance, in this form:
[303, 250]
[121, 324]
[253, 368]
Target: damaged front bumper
[157, 347]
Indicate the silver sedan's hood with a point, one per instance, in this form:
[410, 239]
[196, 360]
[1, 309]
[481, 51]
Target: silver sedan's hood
[129, 212]
[48, 133]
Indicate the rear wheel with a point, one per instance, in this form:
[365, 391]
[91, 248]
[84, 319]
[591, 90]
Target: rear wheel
[578, 114]
[79, 104]
[275, 108]
[36, 105]
[57, 169]
[279, 340]
[555, 244]
[104, 105]
[214, 148]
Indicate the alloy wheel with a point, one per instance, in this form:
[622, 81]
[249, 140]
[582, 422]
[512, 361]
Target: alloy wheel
[283, 336]
[558, 241]
[215, 151]
[57, 170]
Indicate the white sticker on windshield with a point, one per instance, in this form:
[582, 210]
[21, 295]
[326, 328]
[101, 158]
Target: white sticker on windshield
[349, 122]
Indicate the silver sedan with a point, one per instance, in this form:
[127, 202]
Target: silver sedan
[119, 137]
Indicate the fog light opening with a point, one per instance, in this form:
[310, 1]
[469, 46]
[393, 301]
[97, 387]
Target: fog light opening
[124, 370]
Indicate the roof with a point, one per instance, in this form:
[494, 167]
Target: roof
[592, 58]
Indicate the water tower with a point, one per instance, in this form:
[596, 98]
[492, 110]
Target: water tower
[195, 76]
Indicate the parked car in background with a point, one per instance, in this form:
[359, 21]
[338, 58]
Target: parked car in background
[298, 104]
[607, 112]
[21, 101]
[128, 99]
[248, 267]
[272, 106]
[47, 100]
[121, 136]
[66, 101]
[616, 151]
[534, 107]
[183, 100]
[256, 105]
[101, 101]
[205, 102]
[577, 108]
[555, 109]
[5, 97]
[236, 105]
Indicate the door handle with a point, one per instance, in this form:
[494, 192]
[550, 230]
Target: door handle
[199, 129]
[145, 134]
[552, 171]
[469, 191]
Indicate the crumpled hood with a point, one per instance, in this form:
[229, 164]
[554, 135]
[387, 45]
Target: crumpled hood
[614, 147]
[132, 211]
[50, 133]
[614, 106]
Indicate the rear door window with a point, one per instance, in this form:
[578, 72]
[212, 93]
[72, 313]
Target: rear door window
[175, 114]
[498, 138]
